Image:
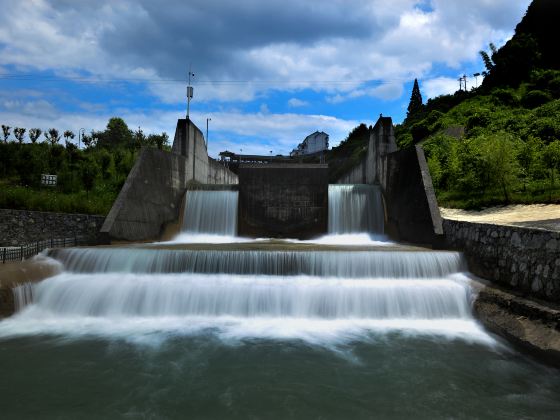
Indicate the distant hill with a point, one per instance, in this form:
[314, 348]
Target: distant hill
[534, 45]
[499, 143]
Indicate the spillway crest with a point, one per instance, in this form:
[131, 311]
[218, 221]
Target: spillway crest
[211, 212]
[355, 209]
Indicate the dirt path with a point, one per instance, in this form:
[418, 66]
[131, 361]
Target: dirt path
[543, 216]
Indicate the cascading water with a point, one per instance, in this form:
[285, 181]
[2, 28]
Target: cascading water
[277, 330]
[211, 212]
[355, 209]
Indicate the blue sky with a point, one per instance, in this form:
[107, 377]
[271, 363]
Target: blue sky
[267, 73]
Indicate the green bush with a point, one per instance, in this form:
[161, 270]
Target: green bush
[504, 97]
[535, 98]
[419, 131]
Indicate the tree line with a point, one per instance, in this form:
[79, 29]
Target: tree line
[116, 134]
[88, 178]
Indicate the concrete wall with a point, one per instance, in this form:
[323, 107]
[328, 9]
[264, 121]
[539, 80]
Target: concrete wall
[149, 198]
[152, 194]
[372, 169]
[283, 200]
[19, 227]
[412, 210]
[189, 142]
[522, 259]
[219, 174]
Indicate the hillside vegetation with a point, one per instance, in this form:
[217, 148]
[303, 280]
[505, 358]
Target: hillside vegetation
[89, 179]
[499, 143]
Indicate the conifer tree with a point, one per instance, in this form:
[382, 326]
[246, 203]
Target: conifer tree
[415, 100]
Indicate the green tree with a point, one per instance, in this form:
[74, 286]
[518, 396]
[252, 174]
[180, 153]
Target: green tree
[488, 63]
[551, 159]
[52, 136]
[88, 173]
[19, 133]
[528, 157]
[116, 134]
[105, 159]
[68, 135]
[139, 138]
[499, 154]
[6, 130]
[89, 140]
[415, 103]
[158, 140]
[34, 134]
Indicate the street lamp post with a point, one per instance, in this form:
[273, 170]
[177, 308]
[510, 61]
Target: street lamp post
[81, 133]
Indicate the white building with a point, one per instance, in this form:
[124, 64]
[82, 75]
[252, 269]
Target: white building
[313, 143]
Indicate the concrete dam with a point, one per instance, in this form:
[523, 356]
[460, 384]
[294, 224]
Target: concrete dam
[278, 295]
[282, 200]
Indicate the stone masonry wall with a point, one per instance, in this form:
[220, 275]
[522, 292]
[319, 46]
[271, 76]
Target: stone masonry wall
[19, 227]
[523, 259]
[283, 200]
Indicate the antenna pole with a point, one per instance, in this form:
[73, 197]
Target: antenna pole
[189, 91]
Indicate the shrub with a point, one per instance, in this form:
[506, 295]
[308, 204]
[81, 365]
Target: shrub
[504, 97]
[535, 98]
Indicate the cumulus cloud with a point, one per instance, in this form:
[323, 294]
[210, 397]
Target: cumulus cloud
[242, 53]
[296, 103]
[257, 132]
[277, 132]
[265, 44]
[439, 86]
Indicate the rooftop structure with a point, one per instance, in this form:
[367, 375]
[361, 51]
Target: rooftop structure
[312, 144]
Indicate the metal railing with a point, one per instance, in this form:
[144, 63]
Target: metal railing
[22, 252]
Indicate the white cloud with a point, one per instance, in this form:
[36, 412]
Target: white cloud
[264, 109]
[439, 86]
[297, 103]
[277, 132]
[262, 131]
[268, 44]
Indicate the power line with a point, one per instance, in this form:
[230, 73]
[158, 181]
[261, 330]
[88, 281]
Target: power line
[99, 80]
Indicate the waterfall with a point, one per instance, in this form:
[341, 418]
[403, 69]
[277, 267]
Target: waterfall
[257, 287]
[117, 295]
[211, 212]
[341, 264]
[355, 209]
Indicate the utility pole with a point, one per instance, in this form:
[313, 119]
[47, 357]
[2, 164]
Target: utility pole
[476, 79]
[465, 81]
[460, 83]
[189, 91]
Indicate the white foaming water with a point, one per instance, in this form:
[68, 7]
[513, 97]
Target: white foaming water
[192, 238]
[211, 212]
[348, 239]
[341, 264]
[355, 209]
[149, 308]
[323, 296]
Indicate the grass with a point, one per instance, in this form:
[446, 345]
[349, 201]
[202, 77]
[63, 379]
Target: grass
[478, 201]
[49, 199]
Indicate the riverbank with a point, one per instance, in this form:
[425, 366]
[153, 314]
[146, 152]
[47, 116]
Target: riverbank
[14, 274]
[538, 216]
[530, 325]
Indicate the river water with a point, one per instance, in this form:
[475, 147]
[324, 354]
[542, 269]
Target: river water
[263, 329]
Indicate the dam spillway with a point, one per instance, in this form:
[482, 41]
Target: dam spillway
[251, 328]
[211, 212]
[355, 209]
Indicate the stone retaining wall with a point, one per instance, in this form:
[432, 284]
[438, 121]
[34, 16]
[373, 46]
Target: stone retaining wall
[523, 259]
[19, 227]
